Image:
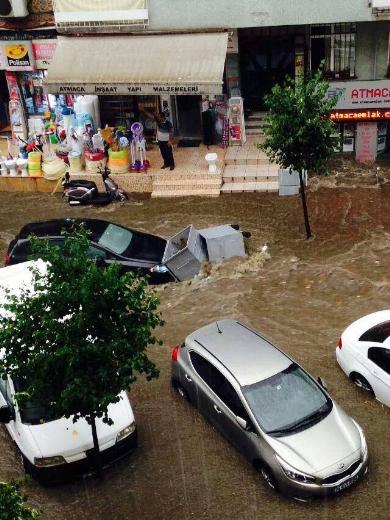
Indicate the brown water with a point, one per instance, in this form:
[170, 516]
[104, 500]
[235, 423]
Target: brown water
[302, 295]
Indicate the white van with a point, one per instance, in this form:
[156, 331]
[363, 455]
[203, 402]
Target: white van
[54, 449]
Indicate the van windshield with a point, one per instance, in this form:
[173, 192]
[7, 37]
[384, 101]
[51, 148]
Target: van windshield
[287, 402]
[31, 413]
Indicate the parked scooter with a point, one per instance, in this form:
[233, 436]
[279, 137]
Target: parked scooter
[83, 192]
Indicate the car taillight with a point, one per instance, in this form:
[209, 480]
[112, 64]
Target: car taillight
[175, 353]
[7, 259]
[340, 343]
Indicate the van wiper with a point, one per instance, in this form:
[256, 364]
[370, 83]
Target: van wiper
[297, 426]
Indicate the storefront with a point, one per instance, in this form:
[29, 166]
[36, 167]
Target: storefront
[266, 56]
[25, 63]
[362, 115]
[132, 75]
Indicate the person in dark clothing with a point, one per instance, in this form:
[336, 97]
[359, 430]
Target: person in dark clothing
[164, 138]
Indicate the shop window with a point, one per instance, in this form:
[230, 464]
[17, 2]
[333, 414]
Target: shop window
[333, 45]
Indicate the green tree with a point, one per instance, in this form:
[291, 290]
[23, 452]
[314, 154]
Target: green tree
[12, 503]
[79, 337]
[299, 132]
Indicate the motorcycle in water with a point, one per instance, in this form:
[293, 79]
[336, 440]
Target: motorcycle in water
[83, 192]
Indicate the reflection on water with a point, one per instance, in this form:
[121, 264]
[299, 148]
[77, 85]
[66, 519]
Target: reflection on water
[302, 294]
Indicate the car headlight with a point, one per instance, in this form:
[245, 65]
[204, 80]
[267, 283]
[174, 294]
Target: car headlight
[293, 473]
[159, 269]
[363, 442]
[42, 462]
[125, 432]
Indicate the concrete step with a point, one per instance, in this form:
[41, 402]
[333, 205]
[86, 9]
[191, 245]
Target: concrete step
[249, 123]
[257, 116]
[264, 186]
[254, 131]
[180, 183]
[186, 193]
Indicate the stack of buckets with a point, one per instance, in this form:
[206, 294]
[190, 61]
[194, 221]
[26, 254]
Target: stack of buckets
[118, 161]
[94, 161]
[34, 164]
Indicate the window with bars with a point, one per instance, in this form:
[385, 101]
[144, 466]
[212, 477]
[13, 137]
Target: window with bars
[334, 45]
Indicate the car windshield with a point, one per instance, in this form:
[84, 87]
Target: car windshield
[287, 402]
[31, 413]
[116, 239]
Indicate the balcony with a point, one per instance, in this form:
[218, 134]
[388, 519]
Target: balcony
[380, 8]
[95, 16]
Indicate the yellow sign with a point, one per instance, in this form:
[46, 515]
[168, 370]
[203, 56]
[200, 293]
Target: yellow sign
[18, 56]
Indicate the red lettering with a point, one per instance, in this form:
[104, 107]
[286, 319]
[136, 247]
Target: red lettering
[377, 92]
[355, 93]
[385, 92]
[369, 92]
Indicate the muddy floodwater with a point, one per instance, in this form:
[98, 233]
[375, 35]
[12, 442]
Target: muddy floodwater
[301, 294]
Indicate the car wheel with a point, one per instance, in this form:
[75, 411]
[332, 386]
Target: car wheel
[361, 382]
[180, 390]
[267, 476]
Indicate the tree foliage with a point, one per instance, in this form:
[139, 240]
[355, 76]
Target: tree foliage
[12, 503]
[299, 132]
[79, 336]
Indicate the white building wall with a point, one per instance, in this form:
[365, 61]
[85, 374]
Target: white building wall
[212, 14]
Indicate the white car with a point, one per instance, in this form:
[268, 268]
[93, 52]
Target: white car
[363, 352]
[52, 448]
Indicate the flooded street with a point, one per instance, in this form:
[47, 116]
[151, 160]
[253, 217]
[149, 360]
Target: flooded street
[301, 295]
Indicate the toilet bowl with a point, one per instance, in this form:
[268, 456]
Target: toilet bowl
[22, 166]
[3, 168]
[11, 165]
[211, 159]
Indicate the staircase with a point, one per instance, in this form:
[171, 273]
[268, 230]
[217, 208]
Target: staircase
[255, 123]
[248, 169]
[176, 184]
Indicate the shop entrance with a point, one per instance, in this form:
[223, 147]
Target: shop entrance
[265, 59]
[188, 116]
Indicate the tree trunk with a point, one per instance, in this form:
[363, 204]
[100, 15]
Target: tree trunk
[97, 459]
[304, 205]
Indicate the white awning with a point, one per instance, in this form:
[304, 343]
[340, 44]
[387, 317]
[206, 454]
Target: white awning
[177, 64]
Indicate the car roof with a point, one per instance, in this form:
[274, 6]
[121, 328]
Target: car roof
[356, 329]
[247, 355]
[55, 226]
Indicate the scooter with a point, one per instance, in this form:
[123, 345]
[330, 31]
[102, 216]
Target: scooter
[83, 192]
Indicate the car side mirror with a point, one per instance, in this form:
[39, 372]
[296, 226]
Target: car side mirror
[242, 422]
[322, 383]
[6, 414]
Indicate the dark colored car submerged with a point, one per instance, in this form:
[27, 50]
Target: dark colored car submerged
[133, 250]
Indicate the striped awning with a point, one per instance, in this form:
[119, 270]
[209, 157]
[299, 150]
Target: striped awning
[176, 64]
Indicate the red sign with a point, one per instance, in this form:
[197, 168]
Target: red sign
[43, 52]
[360, 115]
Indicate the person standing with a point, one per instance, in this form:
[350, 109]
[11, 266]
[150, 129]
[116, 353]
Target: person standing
[164, 138]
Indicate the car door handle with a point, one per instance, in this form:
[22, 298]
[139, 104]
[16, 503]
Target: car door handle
[218, 410]
[188, 378]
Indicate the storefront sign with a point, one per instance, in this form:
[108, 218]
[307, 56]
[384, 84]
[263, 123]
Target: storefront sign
[43, 52]
[144, 89]
[360, 94]
[366, 142]
[360, 115]
[18, 56]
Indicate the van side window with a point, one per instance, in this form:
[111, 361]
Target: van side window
[218, 384]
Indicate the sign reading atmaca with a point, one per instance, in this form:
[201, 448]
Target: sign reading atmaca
[354, 95]
[144, 89]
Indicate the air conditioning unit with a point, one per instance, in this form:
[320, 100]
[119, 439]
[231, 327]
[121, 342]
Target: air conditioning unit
[13, 8]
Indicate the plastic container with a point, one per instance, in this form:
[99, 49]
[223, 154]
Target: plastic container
[184, 253]
[34, 164]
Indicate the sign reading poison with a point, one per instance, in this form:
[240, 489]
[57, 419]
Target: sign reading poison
[19, 56]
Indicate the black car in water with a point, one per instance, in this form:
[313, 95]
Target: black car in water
[134, 250]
